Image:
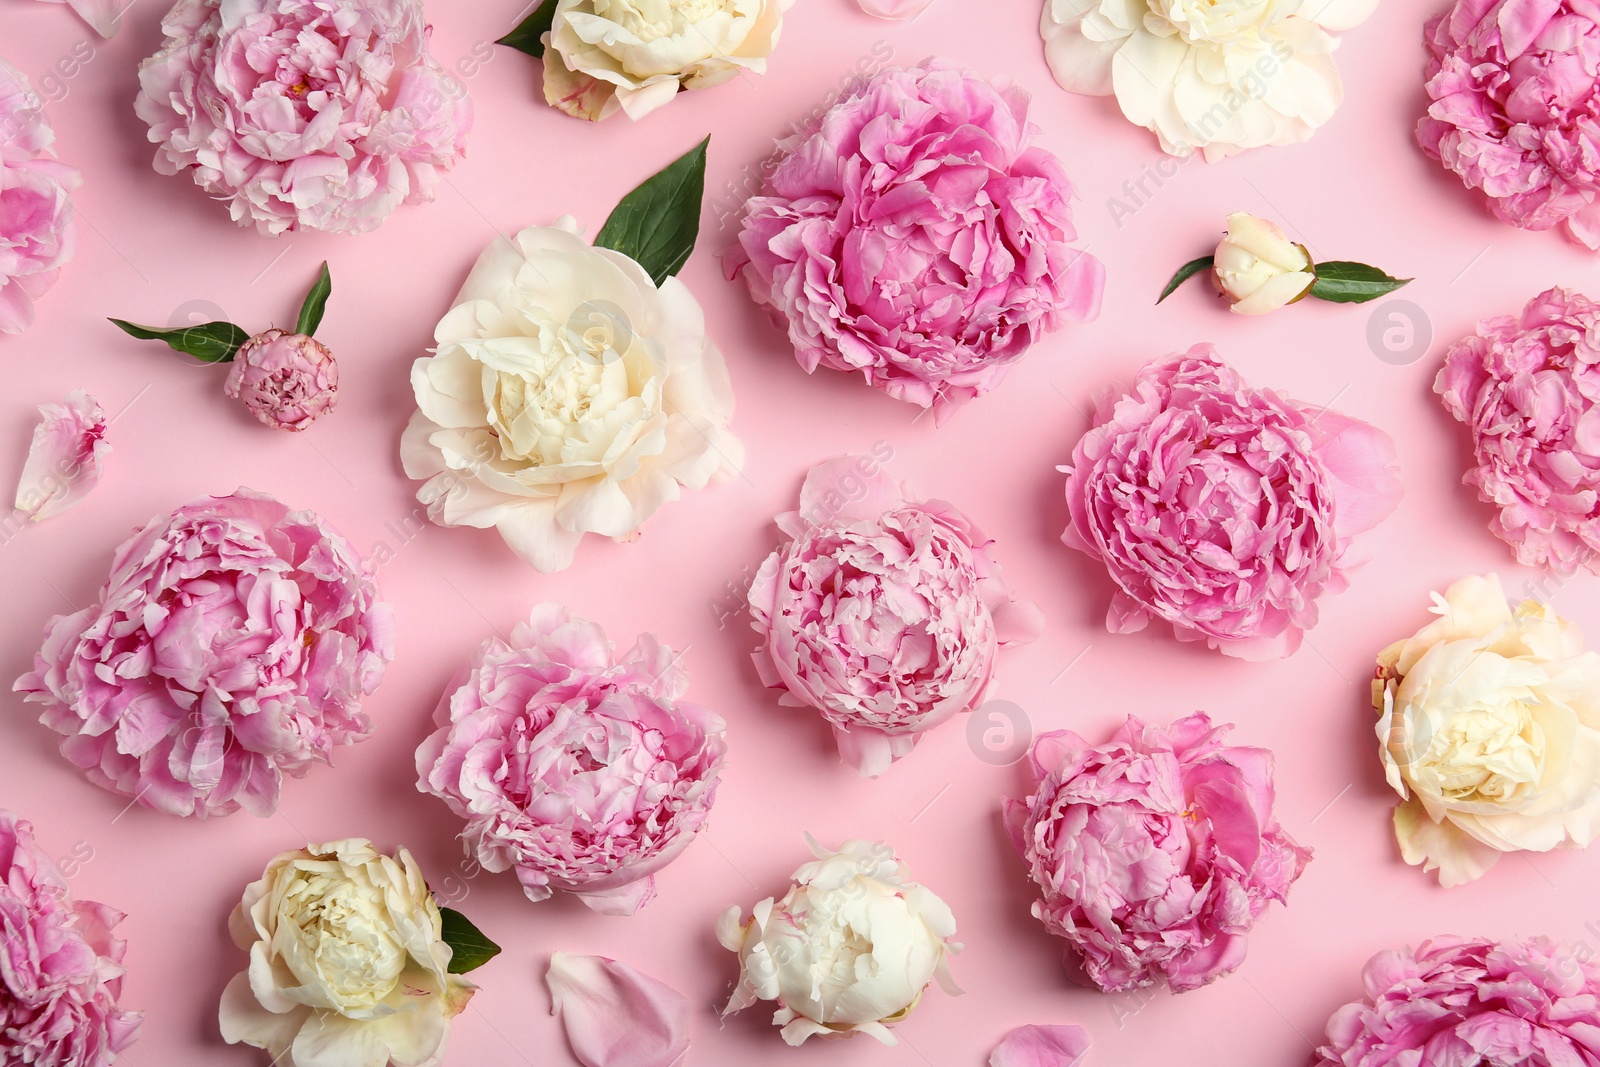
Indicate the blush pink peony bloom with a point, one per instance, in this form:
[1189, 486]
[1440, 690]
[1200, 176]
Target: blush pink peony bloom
[913, 234]
[1528, 390]
[1456, 1000]
[1154, 854]
[582, 770]
[61, 970]
[288, 381]
[37, 231]
[882, 612]
[303, 114]
[1514, 87]
[231, 645]
[1223, 509]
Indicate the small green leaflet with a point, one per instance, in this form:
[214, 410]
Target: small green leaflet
[1185, 272]
[529, 35]
[1344, 282]
[316, 303]
[656, 225]
[469, 948]
[211, 342]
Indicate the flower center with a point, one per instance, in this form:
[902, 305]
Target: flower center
[651, 20]
[1209, 21]
[355, 959]
[1488, 753]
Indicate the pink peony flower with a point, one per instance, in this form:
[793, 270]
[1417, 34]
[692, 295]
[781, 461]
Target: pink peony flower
[303, 114]
[1515, 111]
[581, 770]
[288, 381]
[912, 234]
[1154, 854]
[882, 612]
[1225, 510]
[37, 232]
[61, 970]
[231, 645]
[1456, 1000]
[65, 458]
[1528, 390]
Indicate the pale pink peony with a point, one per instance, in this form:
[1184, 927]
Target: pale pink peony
[60, 970]
[1223, 509]
[1514, 108]
[581, 769]
[913, 234]
[1153, 854]
[303, 114]
[231, 646]
[288, 381]
[38, 233]
[1528, 390]
[883, 612]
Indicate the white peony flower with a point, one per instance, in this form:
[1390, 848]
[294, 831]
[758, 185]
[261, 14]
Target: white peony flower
[566, 395]
[1258, 269]
[850, 947]
[347, 968]
[1489, 729]
[602, 56]
[1219, 76]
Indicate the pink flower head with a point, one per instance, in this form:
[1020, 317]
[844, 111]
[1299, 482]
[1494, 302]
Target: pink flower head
[1528, 390]
[65, 458]
[1514, 109]
[231, 645]
[1456, 1000]
[1154, 854]
[1223, 509]
[61, 970]
[581, 769]
[288, 381]
[882, 612]
[303, 114]
[37, 232]
[913, 234]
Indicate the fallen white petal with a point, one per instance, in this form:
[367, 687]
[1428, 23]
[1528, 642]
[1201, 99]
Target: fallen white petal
[66, 456]
[615, 1016]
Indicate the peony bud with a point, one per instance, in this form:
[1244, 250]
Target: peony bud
[287, 380]
[1258, 269]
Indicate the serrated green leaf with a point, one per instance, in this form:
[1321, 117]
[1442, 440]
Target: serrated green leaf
[1185, 272]
[469, 948]
[656, 225]
[316, 303]
[211, 342]
[1344, 282]
[529, 35]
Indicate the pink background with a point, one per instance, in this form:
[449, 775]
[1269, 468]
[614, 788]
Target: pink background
[1359, 190]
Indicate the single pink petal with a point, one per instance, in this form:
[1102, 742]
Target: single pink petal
[614, 1016]
[1041, 1046]
[65, 458]
[894, 9]
[104, 15]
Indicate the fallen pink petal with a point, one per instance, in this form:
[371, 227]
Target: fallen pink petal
[104, 15]
[894, 9]
[1042, 1046]
[66, 457]
[615, 1016]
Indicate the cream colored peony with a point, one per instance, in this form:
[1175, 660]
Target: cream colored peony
[1489, 729]
[567, 395]
[1258, 269]
[347, 968]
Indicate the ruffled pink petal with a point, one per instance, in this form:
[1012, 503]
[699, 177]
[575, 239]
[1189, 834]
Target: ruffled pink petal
[615, 1016]
[1041, 1046]
[66, 457]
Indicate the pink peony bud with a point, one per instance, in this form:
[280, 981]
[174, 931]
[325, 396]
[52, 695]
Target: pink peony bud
[287, 380]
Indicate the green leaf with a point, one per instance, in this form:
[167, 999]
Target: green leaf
[1344, 282]
[469, 948]
[657, 223]
[316, 303]
[1185, 272]
[529, 35]
[211, 342]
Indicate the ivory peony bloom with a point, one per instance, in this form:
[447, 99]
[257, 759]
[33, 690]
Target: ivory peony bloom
[38, 232]
[850, 948]
[1489, 729]
[1258, 269]
[65, 458]
[287, 381]
[633, 56]
[581, 770]
[347, 965]
[568, 395]
[1214, 76]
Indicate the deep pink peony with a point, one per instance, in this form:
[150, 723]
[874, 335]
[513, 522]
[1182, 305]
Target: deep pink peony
[231, 645]
[303, 114]
[1466, 1001]
[1154, 854]
[913, 234]
[883, 612]
[1223, 509]
[1515, 109]
[288, 381]
[1528, 389]
[37, 231]
[581, 769]
[60, 968]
